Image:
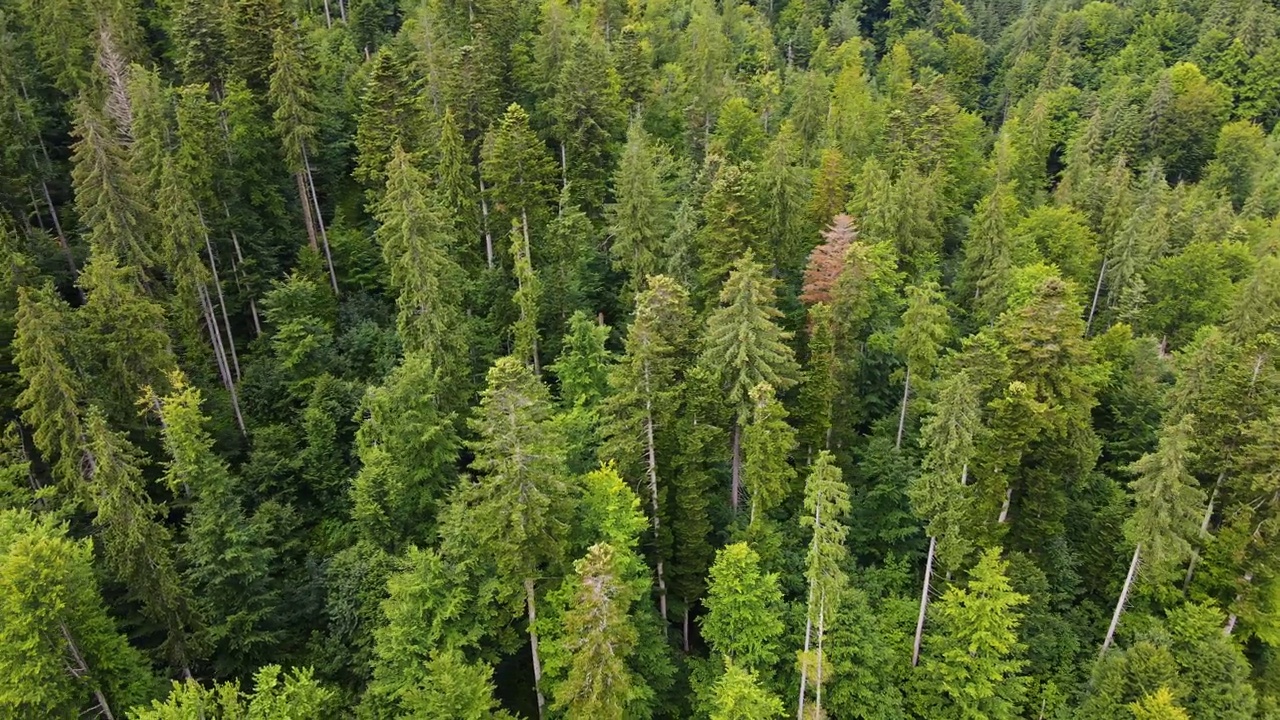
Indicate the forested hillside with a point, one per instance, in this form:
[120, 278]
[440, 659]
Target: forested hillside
[612, 359]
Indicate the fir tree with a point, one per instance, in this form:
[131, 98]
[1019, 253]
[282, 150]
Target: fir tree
[738, 695]
[50, 400]
[742, 621]
[641, 217]
[924, 327]
[276, 695]
[745, 347]
[826, 504]
[104, 186]
[767, 444]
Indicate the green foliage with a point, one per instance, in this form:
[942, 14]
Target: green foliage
[276, 695]
[742, 603]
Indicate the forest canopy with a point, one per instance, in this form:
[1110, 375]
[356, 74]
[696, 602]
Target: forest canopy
[652, 359]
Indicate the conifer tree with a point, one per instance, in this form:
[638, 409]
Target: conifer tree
[104, 187]
[732, 225]
[455, 190]
[972, 666]
[738, 695]
[51, 398]
[1166, 513]
[742, 621]
[745, 347]
[988, 257]
[390, 117]
[200, 42]
[527, 299]
[1158, 705]
[455, 688]
[783, 186]
[251, 31]
[138, 546]
[517, 172]
[767, 444]
[515, 511]
[600, 639]
[228, 554]
[408, 448]
[818, 389]
[585, 107]
[297, 119]
[60, 652]
[826, 504]
[641, 216]
[295, 695]
[924, 327]
[415, 247]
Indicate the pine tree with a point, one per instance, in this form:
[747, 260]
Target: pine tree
[642, 215]
[297, 119]
[745, 347]
[276, 695]
[925, 326]
[826, 504]
[767, 445]
[416, 249]
[51, 398]
[743, 603]
[972, 665]
[138, 546]
[599, 639]
[104, 187]
[407, 447]
[229, 554]
[60, 652]
[1167, 510]
[515, 512]
[738, 695]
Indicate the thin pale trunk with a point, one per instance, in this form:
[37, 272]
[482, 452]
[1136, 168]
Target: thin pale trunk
[735, 487]
[1004, 509]
[220, 355]
[328, 21]
[235, 243]
[1124, 596]
[57, 230]
[1204, 529]
[78, 668]
[808, 615]
[222, 301]
[324, 236]
[484, 217]
[306, 210]
[817, 684]
[342, 10]
[564, 168]
[1097, 292]
[1231, 619]
[528, 251]
[651, 457]
[686, 626]
[533, 643]
[924, 602]
[902, 414]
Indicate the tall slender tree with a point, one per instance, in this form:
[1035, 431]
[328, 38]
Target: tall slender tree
[826, 504]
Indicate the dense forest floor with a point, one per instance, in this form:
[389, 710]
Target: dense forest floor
[604, 359]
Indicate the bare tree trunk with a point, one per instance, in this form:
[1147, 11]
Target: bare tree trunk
[484, 218]
[220, 356]
[651, 457]
[1204, 529]
[78, 668]
[533, 643]
[328, 21]
[686, 626]
[564, 168]
[1004, 509]
[924, 602]
[1124, 596]
[222, 301]
[342, 11]
[528, 251]
[902, 414]
[57, 229]
[735, 487]
[306, 210]
[808, 617]
[235, 243]
[817, 685]
[324, 236]
[1097, 291]
[1231, 619]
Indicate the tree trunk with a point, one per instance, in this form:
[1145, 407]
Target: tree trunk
[533, 643]
[924, 602]
[808, 617]
[735, 487]
[77, 667]
[57, 230]
[528, 251]
[1204, 529]
[324, 236]
[220, 355]
[651, 458]
[342, 12]
[1124, 596]
[1004, 509]
[484, 218]
[222, 301]
[686, 626]
[1097, 291]
[235, 243]
[564, 168]
[902, 414]
[328, 21]
[1231, 619]
[817, 685]
[306, 210]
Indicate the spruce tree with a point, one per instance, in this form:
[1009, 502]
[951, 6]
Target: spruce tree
[642, 214]
[104, 185]
[826, 505]
[745, 347]
[455, 190]
[925, 326]
[517, 172]
[454, 688]
[416, 249]
[743, 603]
[60, 652]
[767, 445]
[587, 117]
[738, 695]
[276, 695]
[50, 401]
